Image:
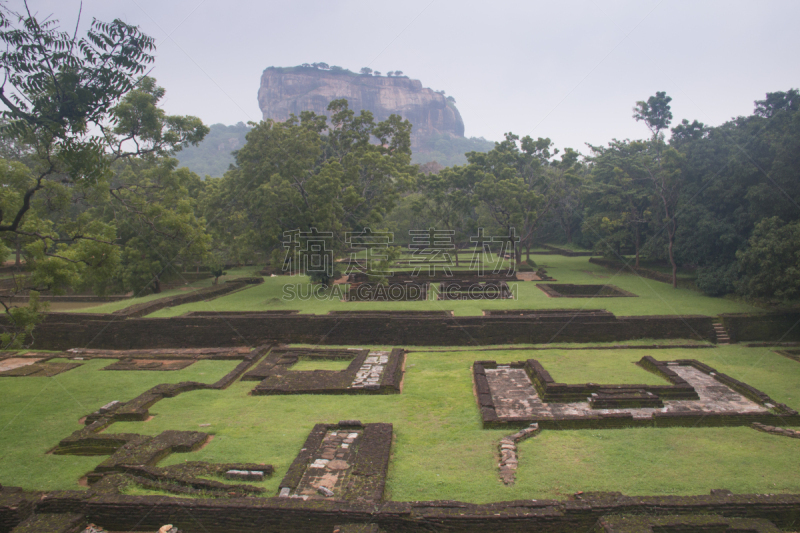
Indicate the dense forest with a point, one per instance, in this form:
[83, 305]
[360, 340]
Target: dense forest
[93, 197]
[216, 152]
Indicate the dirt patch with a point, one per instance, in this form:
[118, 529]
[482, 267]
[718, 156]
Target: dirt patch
[528, 276]
[39, 370]
[16, 362]
[209, 439]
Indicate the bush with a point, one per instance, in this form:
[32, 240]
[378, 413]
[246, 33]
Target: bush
[770, 264]
[531, 262]
[717, 280]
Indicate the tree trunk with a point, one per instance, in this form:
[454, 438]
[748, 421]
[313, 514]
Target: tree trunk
[157, 286]
[19, 250]
[636, 243]
[528, 251]
[672, 260]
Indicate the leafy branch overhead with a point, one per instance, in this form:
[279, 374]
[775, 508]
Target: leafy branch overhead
[75, 109]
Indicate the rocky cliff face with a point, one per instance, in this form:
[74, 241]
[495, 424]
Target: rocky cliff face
[291, 90]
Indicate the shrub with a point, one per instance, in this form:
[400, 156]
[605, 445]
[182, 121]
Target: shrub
[717, 280]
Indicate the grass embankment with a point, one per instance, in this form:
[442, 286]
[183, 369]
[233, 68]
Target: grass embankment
[110, 307]
[654, 297]
[440, 451]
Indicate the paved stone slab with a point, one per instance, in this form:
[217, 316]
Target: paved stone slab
[515, 397]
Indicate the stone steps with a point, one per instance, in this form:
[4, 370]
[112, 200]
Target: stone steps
[722, 335]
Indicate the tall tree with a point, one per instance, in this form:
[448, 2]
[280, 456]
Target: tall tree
[620, 195]
[158, 228]
[655, 112]
[301, 174]
[662, 167]
[448, 198]
[517, 184]
[76, 105]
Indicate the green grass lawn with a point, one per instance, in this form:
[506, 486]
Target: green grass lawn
[654, 297]
[440, 450]
[36, 413]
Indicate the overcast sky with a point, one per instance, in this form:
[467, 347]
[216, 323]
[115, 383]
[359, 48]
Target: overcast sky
[571, 71]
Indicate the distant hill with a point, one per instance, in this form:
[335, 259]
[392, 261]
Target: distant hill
[213, 156]
[448, 150]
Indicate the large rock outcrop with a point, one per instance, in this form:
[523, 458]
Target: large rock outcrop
[286, 91]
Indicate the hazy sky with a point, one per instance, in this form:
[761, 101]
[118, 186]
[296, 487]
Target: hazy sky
[571, 71]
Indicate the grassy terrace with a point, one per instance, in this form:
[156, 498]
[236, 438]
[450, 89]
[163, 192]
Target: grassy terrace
[110, 307]
[440, 451]
[654, 297]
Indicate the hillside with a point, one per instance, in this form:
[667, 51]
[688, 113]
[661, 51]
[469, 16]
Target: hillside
[437, 133]
[213, 156]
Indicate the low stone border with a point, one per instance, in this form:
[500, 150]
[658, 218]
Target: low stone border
[365, 476]
[456, 275]
[589, 348]
[585, 315]
[355, 314]
[137, 409]
[164, 365]
[509, 459]
[474, 290]
[193, 354]
[791, 354]
[369, 372]
[641, 272]
[206, 293]
[292, 515]
[566, 290]
[282, 312]
[674, 523]
[61, 331]
[39, 370]
[52, 523]
[776, 430]
[549, 391]
[134, 457]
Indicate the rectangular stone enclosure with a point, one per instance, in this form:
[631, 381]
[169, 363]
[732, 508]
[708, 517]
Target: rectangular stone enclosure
[524, 392]
[344, 461]
[474, 290]
[369, 372]
[566, 290]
